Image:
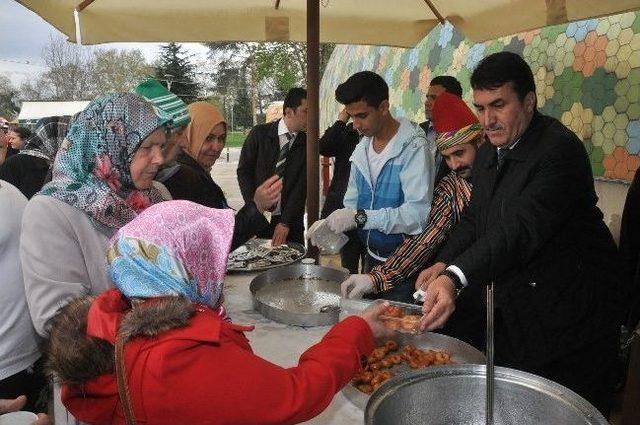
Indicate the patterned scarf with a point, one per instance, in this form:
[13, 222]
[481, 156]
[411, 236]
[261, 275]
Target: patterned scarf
[92, 169]
[173, 248]
[47, 138]
[469, 134]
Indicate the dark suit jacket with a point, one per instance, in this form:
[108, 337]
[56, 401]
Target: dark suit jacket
[533, 228]
[338, 141]
[630, 248]
[258, 162]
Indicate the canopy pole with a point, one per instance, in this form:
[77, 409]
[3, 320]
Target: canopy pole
[435, 11]
[83, 5]
[313, 101]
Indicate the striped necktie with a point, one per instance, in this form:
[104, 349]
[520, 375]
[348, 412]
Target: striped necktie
[501, 153]
[282, 158]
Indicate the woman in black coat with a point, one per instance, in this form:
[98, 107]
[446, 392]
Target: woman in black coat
[29, 169]
[190, 177]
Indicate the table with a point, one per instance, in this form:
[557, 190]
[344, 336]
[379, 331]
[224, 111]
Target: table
[283, 344]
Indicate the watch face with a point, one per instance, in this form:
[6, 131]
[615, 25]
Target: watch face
[361, 218]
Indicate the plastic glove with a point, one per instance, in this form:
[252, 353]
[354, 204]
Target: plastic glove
[342, 220]
[357, 285]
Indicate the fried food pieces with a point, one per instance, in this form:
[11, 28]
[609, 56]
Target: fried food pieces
[395, 318]
[389, 355]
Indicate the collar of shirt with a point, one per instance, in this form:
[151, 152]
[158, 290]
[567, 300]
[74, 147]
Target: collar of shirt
[282, 129]
[511, 145]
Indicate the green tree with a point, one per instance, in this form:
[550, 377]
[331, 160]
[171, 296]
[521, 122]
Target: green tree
[8, 94]
[119, 70]
[175, 70]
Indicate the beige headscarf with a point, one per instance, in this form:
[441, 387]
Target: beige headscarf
[204, 116]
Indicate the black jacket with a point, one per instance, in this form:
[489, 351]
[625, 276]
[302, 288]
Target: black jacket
[186, 179]
[26, 172]
[257, 163]
[338, 141]
[533, 228]
[630, 248]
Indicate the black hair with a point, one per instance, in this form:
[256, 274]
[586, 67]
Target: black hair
[450, 84]
[365, 85]
[293, 99]
[504, 67]
[23, 132]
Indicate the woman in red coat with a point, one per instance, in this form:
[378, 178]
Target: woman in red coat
[160, 348]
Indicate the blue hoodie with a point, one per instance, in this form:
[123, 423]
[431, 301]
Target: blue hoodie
[399, 203]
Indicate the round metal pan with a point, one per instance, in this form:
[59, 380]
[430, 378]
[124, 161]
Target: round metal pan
[252, 243]
[299, 294]
[461, 353]
[455, 394]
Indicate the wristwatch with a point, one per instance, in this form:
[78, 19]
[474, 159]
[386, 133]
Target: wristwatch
[360, 218]
[456, 281]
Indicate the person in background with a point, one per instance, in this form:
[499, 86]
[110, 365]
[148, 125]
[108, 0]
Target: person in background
[279, 148]
[102, 178]
[338, 142]
[5, 147]
[391, 181]
[171, 105]
[206, 136]
[437, 86]
[459, 136]
[20, 357]
[533, 229]
[18, 137]
[165, 332]
[28, 171]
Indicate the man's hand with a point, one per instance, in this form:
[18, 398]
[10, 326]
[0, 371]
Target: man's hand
[439, 303]
[342, 220]
[279, 234]
[371, 316]
[18, 403]
[357, 285]
[268, 193]
[428, 275]
[343, 115]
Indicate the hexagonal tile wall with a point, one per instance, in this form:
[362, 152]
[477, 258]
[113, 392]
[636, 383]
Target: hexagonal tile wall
[587, 74]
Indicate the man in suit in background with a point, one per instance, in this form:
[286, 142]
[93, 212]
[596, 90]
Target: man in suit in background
[279, 148]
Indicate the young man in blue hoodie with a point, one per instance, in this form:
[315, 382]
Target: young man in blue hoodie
[392, 171]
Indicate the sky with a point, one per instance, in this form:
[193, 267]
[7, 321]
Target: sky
[23, 34]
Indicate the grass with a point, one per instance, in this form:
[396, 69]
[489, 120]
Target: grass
[235, 139]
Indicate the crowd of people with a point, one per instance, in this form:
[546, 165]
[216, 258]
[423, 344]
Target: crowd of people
[116, 237]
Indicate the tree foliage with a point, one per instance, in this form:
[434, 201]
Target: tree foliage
[175, 69]
[79, 73]
[8, 97]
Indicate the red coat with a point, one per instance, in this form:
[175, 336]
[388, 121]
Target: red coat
[206, 373]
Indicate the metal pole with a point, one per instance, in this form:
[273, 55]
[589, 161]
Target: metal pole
[313, 92]
[490, 360]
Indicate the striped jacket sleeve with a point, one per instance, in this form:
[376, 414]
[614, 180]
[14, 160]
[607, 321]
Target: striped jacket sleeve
[417, 252]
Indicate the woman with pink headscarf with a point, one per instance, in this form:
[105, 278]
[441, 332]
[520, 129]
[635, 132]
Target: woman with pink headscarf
[160, 349]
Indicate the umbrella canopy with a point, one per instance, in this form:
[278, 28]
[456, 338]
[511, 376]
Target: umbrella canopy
[377, 22]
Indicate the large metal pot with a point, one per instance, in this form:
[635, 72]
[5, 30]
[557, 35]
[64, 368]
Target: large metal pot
[300, 294]
[455, 395]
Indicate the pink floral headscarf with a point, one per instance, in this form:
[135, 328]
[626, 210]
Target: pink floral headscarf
[173, 248]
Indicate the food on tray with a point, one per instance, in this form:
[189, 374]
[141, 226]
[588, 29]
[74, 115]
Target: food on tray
[395, 318]
[256, 255]
[388, 355]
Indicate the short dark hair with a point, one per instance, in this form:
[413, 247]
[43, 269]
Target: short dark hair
[365, 85]
[23, 132]
[504, 67]
[293, 99]
[450, 84]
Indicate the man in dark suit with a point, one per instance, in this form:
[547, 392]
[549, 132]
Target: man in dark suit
[279, 148]
[532, 228]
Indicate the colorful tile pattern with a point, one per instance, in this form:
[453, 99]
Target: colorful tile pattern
[587, 74]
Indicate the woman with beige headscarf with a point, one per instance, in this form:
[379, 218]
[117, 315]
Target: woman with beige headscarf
[206, 136]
